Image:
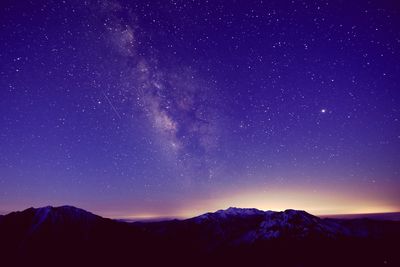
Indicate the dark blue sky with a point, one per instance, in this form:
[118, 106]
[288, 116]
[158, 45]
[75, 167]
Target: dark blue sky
[172, 108]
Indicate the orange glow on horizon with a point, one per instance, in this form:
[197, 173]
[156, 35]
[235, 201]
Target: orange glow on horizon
[315, 202]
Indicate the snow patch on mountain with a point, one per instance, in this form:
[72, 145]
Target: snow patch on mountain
[57, 216]
[40, 216]
[251, 225]
[229, 213]
[292, 223]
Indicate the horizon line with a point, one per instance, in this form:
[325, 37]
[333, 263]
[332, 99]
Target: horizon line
[150, 217]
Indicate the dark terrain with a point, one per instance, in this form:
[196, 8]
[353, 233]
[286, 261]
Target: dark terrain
[68, 236]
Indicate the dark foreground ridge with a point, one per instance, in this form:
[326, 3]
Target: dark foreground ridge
[68, 236]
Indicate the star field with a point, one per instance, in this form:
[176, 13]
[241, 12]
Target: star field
[171, 108]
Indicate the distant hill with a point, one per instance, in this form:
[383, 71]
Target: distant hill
[387, 216]
[57, 236]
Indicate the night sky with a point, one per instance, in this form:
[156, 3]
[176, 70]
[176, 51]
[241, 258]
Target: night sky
[173, 108]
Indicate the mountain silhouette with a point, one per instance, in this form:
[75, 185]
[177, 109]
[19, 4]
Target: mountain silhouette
[69, 236]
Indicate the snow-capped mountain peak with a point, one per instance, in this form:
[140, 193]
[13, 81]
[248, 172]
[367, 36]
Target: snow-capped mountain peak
[251, 225]
[231, 212]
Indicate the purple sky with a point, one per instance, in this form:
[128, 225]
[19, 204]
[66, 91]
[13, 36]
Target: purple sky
[173, 108]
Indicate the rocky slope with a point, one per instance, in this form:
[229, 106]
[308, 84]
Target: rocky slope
[67, 235]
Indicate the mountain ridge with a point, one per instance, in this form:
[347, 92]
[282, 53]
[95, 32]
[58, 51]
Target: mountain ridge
[233, 235]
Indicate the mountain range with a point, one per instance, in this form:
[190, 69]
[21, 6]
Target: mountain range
[69, 236]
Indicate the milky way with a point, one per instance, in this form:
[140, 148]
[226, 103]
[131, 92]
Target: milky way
[170, 108]
[179, 105]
